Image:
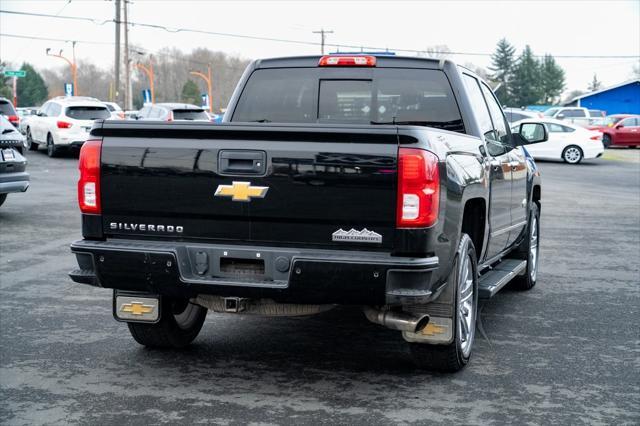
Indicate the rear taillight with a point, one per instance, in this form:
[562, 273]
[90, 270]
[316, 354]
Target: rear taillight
[89, 183]
[121, 115]
[170, 117]
[13, 119]
[63, 124]
[347, 61]
[418, 188]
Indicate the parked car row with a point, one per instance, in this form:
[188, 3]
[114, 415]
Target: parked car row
[615, 129]
[13, 176]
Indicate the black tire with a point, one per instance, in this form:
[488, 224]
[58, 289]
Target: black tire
[179, 324]
[32, 145]
[572, 154]
[606, 140]
[52, 150]
[452, 357]
[529, 249]
[3, 198]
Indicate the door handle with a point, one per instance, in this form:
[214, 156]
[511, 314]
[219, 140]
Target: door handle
[235, 162]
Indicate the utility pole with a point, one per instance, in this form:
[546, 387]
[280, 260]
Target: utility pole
[117, 58]
[127, 72]
[322, 33]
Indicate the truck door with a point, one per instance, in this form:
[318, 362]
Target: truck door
[499, 171]
[516, 164]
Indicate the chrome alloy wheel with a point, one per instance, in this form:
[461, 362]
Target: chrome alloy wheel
[533, 248]
[466, 306]
[572, 155]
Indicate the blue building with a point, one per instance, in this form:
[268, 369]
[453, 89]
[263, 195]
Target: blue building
[623, 98]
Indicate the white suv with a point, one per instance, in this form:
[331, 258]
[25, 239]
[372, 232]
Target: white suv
[64, 122]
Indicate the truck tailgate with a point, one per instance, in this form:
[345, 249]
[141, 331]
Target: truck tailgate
[208, 182]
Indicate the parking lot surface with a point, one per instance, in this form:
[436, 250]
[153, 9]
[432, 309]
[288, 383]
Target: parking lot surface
[566, 352]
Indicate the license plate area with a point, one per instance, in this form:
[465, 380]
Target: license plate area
[134, 308]
[250, 268]
[8, 155]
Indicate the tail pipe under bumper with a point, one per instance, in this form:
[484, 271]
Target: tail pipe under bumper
[397, 320]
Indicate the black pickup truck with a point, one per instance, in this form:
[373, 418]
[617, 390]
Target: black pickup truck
[387, 183]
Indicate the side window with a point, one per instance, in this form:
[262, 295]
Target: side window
[630, 122]
[155, 112]
[144, 112]
[567, 129]
[54, 110]
[45, 109]
[499, 122]
[569, 113]
[554, 128]
[479, 106]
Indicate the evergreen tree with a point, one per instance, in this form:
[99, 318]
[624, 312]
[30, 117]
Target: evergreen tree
[552, 80]
[526, 85]
[191, 93]
[31, 89]
[502, 63]
[6, 90]
[595, 84]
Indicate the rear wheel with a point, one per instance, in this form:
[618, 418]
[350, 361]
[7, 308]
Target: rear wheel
[32, 145]
[606, 140]
[52, 150]
[180, 323]
[455, 355]
[529, 250]
[572, 154]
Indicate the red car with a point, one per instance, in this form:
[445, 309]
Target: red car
[619, 130]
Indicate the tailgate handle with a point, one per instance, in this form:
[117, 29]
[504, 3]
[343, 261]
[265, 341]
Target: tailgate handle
[242, 162]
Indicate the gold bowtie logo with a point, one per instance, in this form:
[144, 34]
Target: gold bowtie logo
[432, 329]
[137, 308]
[241, 191]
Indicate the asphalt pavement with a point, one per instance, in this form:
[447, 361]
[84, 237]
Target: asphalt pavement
[566, 352]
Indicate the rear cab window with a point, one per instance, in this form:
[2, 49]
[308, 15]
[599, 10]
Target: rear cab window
[339, 96]
[87, 112]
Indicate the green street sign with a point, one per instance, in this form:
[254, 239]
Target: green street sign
[19, 73]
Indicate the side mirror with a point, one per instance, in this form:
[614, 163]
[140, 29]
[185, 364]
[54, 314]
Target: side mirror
[530, 133]
[560, 116]
[40, 114]
[619, 126]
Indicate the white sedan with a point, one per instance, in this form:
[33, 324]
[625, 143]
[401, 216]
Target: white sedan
[566, 142]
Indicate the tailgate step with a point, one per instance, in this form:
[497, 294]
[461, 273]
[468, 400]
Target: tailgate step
[491, 282]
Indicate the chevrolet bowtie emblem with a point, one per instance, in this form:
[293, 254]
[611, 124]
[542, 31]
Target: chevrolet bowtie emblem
[241, 191]
[433, 329]
[137, 308]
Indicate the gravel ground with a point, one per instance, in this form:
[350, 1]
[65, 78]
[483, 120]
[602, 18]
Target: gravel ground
[566, 352]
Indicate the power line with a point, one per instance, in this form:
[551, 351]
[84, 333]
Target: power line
[139, 50]
[299, 42]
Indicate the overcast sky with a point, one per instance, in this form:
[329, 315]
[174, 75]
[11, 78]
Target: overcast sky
[556, 27]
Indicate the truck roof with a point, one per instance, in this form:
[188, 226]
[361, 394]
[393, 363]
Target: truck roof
[382, 61]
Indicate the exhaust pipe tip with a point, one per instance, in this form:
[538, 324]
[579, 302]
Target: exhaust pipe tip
[421, 324]
[397, 320]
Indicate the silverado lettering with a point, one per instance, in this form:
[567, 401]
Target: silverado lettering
[416, 149]
[144, 227]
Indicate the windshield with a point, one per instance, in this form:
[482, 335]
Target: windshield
[190, 114]
[550, 112]
[87, 112]
[380, 96]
